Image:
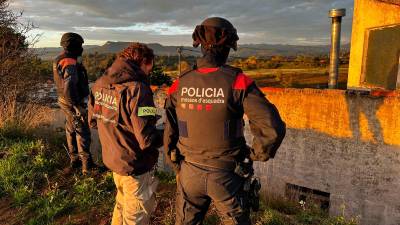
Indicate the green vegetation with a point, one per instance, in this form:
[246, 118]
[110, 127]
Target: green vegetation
[276, 211]
[31, 175]
[296, 78]
[301, 71]
[96, 64]
[20, 68]
[165, 177]
[158, 77]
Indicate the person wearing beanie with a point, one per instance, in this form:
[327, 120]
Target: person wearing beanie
[204, 139]
[71, 80]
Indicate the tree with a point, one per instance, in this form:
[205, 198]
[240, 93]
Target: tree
[96, 64]
[159, 78]
[18, 70]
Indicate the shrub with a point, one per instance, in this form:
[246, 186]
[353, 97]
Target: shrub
[23, 168]
[158, 77]
[17, 119]
[165, 177]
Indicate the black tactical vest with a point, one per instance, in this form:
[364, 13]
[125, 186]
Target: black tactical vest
[210, 115]
[58, 75]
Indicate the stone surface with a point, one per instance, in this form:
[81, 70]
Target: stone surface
[346, 145]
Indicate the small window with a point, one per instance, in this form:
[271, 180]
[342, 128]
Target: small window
[381, 58]
[298, 193]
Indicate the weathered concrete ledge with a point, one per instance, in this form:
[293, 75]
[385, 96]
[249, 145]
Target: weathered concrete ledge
[345, 145]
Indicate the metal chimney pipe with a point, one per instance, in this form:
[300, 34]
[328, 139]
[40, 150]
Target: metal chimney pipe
[336, 15]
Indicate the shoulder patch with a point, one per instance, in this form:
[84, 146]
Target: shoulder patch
[147, 111]
[242, 82]
[174, 87]
[67, 62]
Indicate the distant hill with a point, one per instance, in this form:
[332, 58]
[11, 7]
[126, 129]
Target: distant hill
[246, 50]
[51, 53]
[114, 47]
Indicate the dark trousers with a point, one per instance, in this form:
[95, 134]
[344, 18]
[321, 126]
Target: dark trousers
[78, 139]
[199, 185]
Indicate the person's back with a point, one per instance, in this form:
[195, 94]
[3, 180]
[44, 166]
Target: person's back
[210, 113]
[116, 98]
[204, 137]
[121, 107]
[71, 81]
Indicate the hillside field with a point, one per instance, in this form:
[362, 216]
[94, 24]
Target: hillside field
[292, 78]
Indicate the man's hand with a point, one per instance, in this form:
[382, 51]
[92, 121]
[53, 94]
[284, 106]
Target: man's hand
[80, 116]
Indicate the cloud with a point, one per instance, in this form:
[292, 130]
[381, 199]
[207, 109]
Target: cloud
[171, 22]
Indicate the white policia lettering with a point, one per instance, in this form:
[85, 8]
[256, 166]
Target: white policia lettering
[202, 92]
[106, 98]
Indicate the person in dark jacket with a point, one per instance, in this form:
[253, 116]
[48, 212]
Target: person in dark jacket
[203, 137]
[121, 107]
[72, 85]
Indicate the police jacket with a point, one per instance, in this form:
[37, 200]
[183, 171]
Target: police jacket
[71, 80]
[121, 107]
[205, 109]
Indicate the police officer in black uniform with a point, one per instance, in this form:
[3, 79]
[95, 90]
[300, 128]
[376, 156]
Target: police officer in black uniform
[204, 139]
[72, 85]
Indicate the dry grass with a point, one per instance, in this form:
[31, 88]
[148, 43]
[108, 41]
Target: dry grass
[23, 117]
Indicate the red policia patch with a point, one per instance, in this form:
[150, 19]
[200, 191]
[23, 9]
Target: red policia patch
[242, 82]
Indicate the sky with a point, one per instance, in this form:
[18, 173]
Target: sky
[171, 22]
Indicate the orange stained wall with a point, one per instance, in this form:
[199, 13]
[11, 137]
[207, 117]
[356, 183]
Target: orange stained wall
[370, 118]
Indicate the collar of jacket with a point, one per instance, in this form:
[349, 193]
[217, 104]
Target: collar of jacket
[207, 65]
[123, 71]
[208, 61]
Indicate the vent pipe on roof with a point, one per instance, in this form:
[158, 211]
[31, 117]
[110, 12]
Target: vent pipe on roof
[336, 15]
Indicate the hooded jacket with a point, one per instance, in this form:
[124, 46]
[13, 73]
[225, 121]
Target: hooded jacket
[121, 107]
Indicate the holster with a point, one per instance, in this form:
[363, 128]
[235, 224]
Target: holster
[250, 198]
[78, 121]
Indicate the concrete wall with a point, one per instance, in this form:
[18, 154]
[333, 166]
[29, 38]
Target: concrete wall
[368, 14]
[346, 145]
